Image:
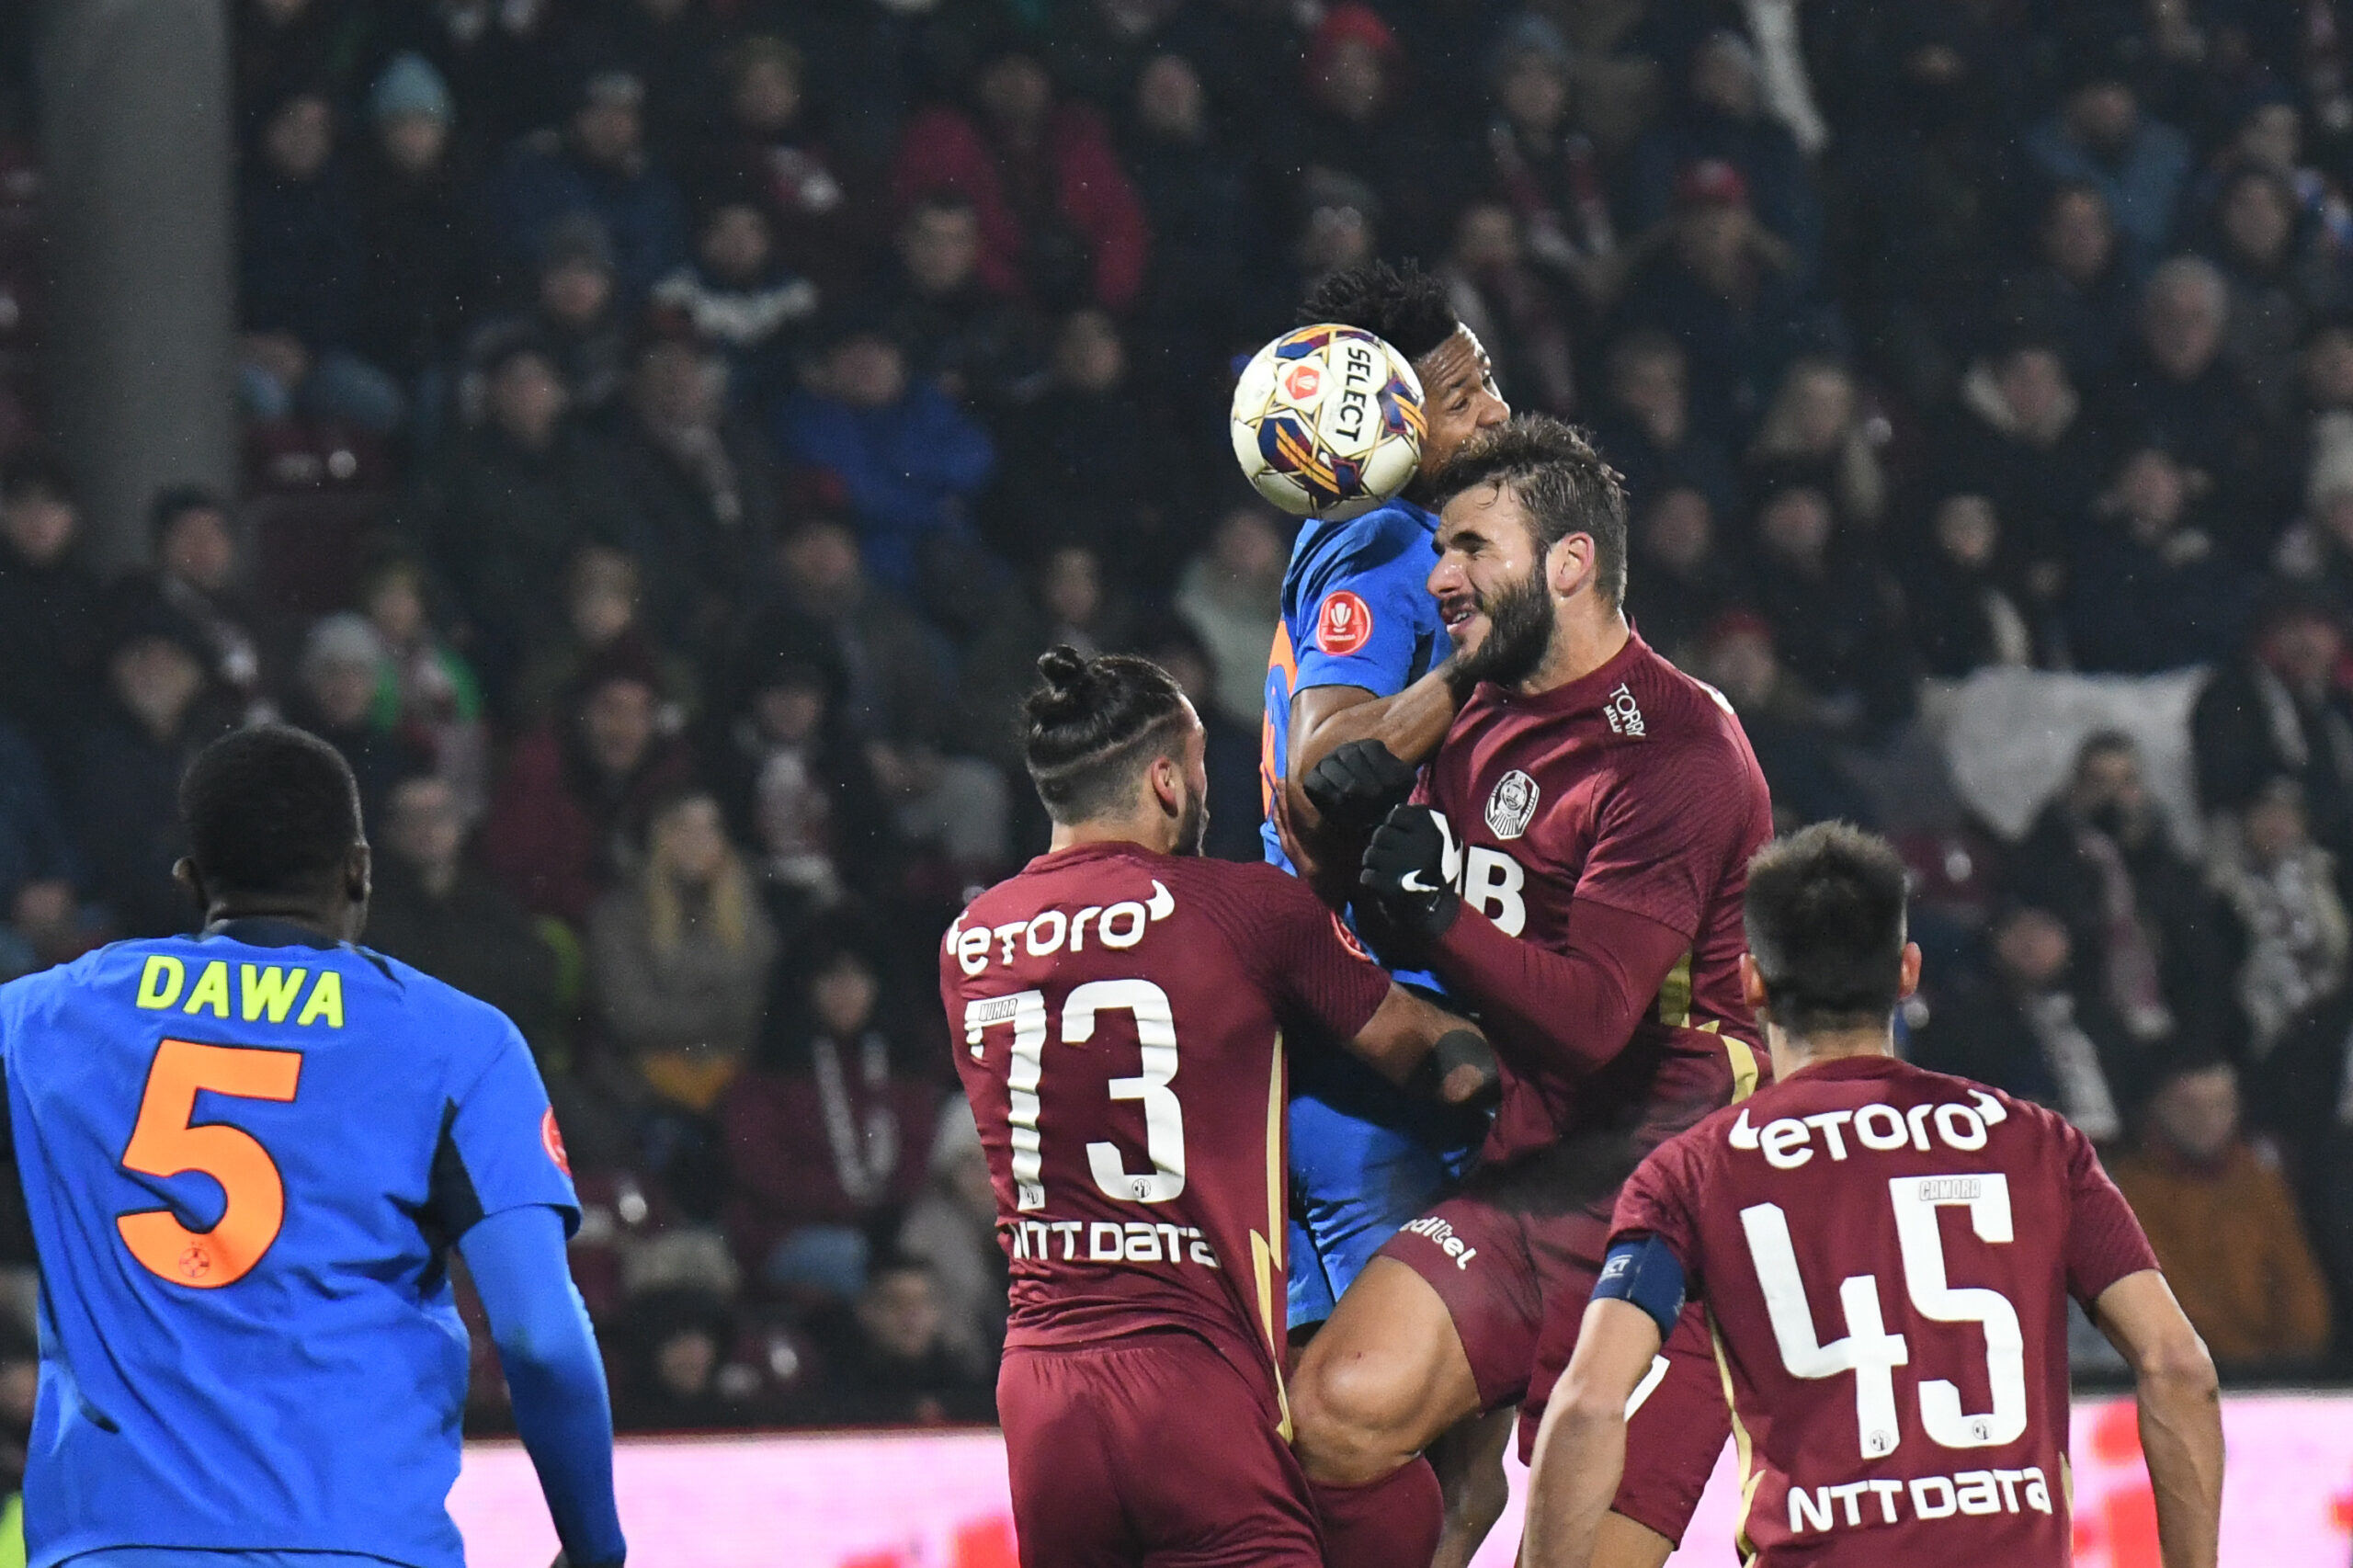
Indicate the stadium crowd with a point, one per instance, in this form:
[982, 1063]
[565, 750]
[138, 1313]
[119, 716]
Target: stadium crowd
[674, 428]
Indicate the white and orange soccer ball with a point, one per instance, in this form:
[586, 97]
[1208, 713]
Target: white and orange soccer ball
[1328, 421]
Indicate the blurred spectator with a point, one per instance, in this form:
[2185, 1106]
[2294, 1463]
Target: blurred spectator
[576, 320]
[2031, 1030]
[2147, 589]
[578, 789]
[1837, 618]
[907, 460]
[1087, 463]
[434, 908]
[123, 788]
[674, 1342]
[39, 914]
[792, 774]
[416, 227]
[2079, 293]
[1679, 582]
[770, 145]
[673, 46]
[427, 697]
[2225, 1225]
[1645, 426]
[679, 957]
[597, 164]
[1723, 122]
[505, 510]
[1231, 594]
[896, 1363]
[2281, 887]
[199, 572]
[2175, 389]
[2139, 917]
[2278, 711]
[2100, 138]
[279, 46]
[2279, 273]
[1968, 598]
[1795, 747]
[1204, 214]
[1726, 289]
[301, 270]
[504, 60]
[1511, 309]
[829, 1141]
[951, 1230]
[2021, 440]
[975, 345]
[739, 298]
[345, 664]
[1354, 121]
[898, 695]
[1060, 221]
[697, 485]
[1067, 602]
[1815, 432]
[48, 605]
[1235, 804]
[603, 603]
[1547, 169]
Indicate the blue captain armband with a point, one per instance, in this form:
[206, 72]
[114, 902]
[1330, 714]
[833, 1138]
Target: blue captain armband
[1645, 1272]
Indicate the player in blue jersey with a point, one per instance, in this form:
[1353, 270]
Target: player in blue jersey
[247, 1155]
[1361, 655]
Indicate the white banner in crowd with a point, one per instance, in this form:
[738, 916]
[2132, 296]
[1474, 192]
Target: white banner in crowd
[938, 1500]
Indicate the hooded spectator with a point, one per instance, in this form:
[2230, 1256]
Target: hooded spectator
[415, 225]
[597, 164]
[1060, 221]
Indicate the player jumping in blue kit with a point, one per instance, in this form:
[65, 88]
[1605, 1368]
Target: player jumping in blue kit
[247, 1155]
[1358, 655]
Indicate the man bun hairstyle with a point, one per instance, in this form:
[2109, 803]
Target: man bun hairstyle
[1090, 725]
[1405, 307]
[1826, 927]
[1560, 480]
[270, 809]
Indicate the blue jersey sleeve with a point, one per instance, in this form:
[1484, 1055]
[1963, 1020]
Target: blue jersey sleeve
[500, 1147]
[1367, 620]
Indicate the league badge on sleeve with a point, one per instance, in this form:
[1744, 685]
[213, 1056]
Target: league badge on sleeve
[1513, 805]
[1344, 624]
[552, 1139]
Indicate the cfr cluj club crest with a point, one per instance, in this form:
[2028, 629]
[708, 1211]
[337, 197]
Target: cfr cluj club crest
[1513, 805]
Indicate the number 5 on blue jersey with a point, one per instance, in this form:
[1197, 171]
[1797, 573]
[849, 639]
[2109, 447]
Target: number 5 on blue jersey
[167, 1140]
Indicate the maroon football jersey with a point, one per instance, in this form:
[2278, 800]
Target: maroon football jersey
[1633, 787]
[1120, 1016]
[1885, 1253]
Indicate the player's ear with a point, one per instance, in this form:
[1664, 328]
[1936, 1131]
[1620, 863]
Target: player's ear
[1568, 564]
[1751, 982]
[1907, 979]
[191, 882]
[1167, 778]
[358, 873]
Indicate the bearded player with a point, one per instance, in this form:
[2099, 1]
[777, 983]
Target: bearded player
[1123, 1004]
[1576, 876]
[1886, 1256]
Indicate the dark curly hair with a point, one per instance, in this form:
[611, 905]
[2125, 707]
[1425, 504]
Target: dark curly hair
[1089, 726]
[1826, 927]
[271, 809]
[1405, 307]
[1560, 481]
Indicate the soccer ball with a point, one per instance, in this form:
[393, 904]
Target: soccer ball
[1328, 421]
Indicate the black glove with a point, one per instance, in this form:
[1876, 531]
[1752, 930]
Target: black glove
[1463, 1071]
[1409, 870]
[1358, 783]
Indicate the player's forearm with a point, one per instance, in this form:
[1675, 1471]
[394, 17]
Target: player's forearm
[1580, 1458]
[1576, 1008]
[1409, 723]
[2181, 1439]
[1407, 1032]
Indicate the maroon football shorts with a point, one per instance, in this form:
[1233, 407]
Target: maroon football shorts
[1516, 1282]
[1149, 1452]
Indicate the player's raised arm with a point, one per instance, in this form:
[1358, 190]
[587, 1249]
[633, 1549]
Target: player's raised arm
[2181, 1412]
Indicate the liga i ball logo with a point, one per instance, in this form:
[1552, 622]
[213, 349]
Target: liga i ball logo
[1344, 625]
[1302, 382]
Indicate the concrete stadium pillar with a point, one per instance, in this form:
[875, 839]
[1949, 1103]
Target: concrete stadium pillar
[136, 147]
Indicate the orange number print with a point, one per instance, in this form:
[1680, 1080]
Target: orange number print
[164, 1144]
